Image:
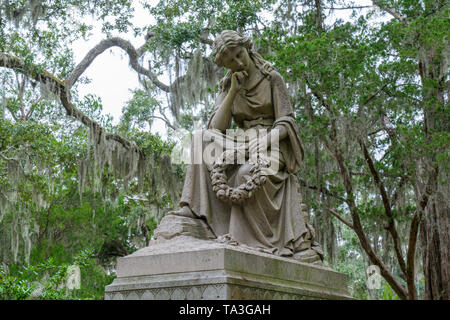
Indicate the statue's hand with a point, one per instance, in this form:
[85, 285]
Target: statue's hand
[237, 79]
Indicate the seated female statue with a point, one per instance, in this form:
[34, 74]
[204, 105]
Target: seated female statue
[240, 204]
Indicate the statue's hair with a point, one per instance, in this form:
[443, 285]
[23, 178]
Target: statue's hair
[228, 39]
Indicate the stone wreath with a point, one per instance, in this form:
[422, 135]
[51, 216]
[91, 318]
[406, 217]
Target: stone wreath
[244, 191]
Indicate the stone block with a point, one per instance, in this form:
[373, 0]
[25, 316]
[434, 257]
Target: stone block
[187, 268]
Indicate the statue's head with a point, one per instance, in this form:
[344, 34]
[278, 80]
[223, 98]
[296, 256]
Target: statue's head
[227, 44]
[235, 52]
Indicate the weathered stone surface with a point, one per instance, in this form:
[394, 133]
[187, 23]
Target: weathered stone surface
[188, 268]
[172, 226]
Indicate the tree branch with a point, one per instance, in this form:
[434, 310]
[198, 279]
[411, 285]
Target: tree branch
[375, 94]
[33, 106]
[403, 180]
[375, 132]
[20, 93]
[324, 190]
[387, 206]
[348, 8]
[391, 11]
[165, 121]
[163, 116]
[318, 95]
[58, 87]
[136, 199]
[387, 126]
[133, 54]
[334, 213]
[205, 40]
[11, 111]
[357, 226]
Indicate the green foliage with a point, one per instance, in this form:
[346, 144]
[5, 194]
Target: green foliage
[47, 280]
[206, 16]
[350, 262]
[388, 293]
[138, 112]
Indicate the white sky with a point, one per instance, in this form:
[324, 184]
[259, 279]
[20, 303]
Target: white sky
[110, 74]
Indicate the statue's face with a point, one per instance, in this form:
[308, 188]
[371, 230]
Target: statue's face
[236, 59]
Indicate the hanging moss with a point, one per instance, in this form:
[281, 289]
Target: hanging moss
[126, 165]
[123, 162]
[32, 9]
[201, 76]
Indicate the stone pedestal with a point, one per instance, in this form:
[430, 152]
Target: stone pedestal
[189, 268]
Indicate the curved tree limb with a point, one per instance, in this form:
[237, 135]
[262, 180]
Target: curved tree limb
[205, 40]
[321, 189]
[133, 54]
[391, 11]
[60, 89]
[348, 8]
[337, 215]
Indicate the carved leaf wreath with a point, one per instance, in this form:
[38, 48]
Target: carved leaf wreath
[244, 191]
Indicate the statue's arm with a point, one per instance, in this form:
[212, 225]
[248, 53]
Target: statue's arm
[222, 116]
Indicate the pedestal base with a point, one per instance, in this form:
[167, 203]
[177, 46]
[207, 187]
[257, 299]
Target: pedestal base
[188, 268]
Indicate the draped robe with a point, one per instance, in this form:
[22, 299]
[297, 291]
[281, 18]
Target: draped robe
[271, 220]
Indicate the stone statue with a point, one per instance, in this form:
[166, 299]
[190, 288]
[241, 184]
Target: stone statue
[245, 203]
[241, 231]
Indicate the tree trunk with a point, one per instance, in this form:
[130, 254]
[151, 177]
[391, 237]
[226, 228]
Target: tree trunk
[435, 226]
[436, 250]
